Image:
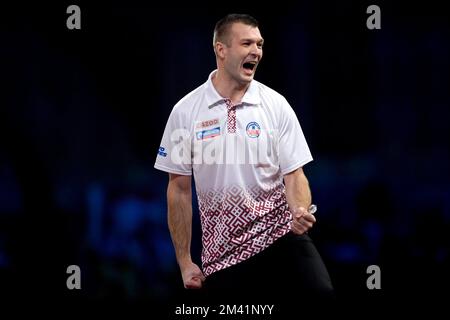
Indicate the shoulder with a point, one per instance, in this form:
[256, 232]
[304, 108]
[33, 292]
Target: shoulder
[273, 100]
[270, 94]
[186, 105]
[189, 99]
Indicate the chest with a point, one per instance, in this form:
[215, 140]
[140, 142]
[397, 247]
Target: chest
[245, 135]
[249, 121]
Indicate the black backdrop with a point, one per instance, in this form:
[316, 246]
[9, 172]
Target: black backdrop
[82, 113]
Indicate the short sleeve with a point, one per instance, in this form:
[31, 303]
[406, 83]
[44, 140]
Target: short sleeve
[174, 153]
[293, 149]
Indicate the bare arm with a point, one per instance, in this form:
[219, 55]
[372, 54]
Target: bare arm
[298, 196]
[179, 201]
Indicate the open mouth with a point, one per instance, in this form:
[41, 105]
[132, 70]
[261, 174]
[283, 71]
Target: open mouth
[249, 66]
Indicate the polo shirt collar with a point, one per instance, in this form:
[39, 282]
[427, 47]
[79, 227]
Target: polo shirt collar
[213, 98]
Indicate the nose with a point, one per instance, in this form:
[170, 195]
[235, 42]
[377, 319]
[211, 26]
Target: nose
[256, 50]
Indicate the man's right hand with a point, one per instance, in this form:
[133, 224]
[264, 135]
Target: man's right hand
[192, 276]
[302, 221]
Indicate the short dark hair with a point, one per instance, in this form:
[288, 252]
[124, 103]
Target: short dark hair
[223, 25]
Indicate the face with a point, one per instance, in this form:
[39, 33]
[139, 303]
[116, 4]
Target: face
[242, 53]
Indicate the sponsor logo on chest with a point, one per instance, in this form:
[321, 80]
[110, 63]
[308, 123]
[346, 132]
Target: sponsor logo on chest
[207, 123]
[253, 129]
[207, 134]
[207, 129]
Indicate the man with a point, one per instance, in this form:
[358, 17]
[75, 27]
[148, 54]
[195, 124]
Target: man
[245, 146]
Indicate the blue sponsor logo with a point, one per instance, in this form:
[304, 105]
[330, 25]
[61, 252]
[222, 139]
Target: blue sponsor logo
[207, 134]
[162, 152]
[253, 129]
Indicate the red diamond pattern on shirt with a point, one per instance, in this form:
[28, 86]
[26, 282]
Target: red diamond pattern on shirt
[238, 224]
[231, 116]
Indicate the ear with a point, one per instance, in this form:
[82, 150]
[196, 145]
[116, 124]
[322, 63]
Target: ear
[220, 49]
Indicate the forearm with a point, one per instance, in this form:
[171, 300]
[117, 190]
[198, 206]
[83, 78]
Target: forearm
[180, 222]
[298, 193]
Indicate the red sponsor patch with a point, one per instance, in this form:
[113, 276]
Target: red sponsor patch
[207, 123]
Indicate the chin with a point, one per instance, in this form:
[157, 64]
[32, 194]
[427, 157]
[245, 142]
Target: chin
[247, 79]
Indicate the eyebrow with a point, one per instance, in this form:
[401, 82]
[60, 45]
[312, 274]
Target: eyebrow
[261, 40]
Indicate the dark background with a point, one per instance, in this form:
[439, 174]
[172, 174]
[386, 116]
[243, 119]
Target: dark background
[82, 114]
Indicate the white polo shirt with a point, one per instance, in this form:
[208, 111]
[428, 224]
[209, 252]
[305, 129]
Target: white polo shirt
[238, 155]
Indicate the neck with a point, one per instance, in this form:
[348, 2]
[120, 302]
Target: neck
[228, 87]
